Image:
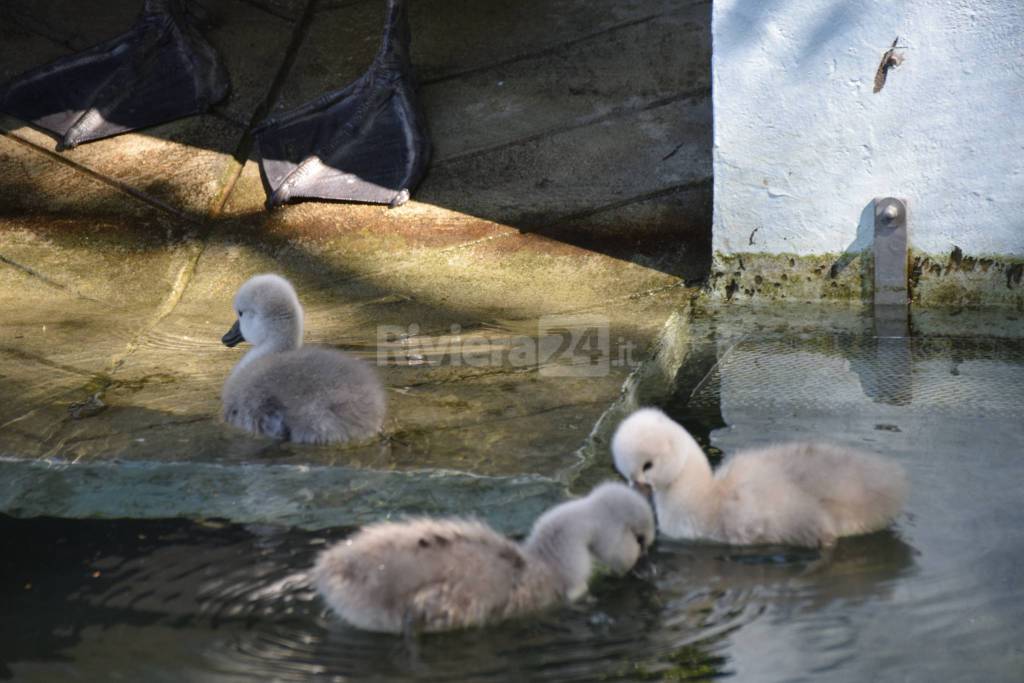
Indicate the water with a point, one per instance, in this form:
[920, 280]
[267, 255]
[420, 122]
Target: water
[175, 600]
[939, 597]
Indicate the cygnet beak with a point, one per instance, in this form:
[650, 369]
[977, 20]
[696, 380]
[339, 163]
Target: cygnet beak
[642, 487]
[234, 336]
[644, 569]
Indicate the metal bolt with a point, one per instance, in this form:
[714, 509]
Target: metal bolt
[891, 212]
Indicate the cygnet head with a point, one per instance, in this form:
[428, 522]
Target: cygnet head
[268, 314]
[613, 524]
[624, 526]
[651, 450]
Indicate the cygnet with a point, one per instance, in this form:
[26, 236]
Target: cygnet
[441, 574]
[804, 494]
[287, 391]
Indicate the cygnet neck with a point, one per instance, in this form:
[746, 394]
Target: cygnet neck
[560, 542]
[687, 506]
[285, 335]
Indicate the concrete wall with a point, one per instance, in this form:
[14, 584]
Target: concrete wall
[802, 144]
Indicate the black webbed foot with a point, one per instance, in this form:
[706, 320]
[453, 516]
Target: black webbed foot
[159, 70]
[367, 142]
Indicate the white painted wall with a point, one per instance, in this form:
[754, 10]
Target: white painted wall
[802, 145]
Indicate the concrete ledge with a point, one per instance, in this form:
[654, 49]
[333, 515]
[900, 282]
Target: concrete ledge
[309, 497]
[651, 383]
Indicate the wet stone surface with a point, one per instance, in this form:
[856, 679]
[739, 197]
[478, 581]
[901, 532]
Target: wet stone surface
[119, 260]
[180, 165]
[483, 401]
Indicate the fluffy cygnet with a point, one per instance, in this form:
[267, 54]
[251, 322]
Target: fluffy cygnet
[287, 391]
[805, 494]
[440, 574]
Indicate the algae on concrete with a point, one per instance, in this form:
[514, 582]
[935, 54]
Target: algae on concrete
[953, 280]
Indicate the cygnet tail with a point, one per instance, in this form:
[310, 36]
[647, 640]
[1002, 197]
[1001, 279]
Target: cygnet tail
[862, 492]
[884, 493]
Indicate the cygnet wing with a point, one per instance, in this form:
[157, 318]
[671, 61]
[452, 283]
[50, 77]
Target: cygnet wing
[861, 491]
[436, 574]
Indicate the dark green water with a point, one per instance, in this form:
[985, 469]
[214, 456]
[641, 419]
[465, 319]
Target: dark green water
[174, 600]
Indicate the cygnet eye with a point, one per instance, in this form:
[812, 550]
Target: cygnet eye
[239, 314]
[648, 465]
[641, 540]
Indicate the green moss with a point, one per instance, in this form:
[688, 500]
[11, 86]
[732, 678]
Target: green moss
[790, 277]
[967, 280]
[687, 663]
[956, 279]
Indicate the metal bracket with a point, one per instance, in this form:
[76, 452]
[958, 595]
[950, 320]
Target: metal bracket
[890, 252]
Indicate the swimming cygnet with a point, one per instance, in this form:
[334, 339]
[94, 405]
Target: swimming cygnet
[287, 391]
[805, 494]
[441, 574]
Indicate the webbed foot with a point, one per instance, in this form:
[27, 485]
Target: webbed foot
[159, 70]
[366, 142]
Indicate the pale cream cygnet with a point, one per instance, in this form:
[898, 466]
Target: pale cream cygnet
[288, 391]
[805, 494]
[440, 574]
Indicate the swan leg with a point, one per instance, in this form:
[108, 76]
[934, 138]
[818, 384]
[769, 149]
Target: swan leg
[367, 142]
[411, 638]
[159, 70]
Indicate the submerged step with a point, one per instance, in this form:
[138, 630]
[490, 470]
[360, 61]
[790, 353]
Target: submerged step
[307, 497]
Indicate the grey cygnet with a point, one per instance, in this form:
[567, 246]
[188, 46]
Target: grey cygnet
[284, 390]
[441, 574]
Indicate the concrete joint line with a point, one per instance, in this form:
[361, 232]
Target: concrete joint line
[654, 194]
[617, 113]
[33, 28]
[543, 52]
[166, 307]
[47, 280]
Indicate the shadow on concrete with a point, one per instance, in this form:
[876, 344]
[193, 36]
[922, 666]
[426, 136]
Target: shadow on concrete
[860, 248]
[555, 183]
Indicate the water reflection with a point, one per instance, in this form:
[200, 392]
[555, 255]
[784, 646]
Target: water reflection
[950, 407]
